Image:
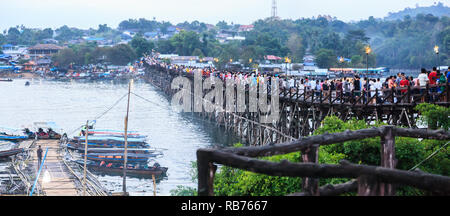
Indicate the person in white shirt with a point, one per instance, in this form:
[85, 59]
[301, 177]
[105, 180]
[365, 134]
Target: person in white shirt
[378, 86]
[301, 87]
[423, 79]
[291, 83]
[372, 90]
[312, 85]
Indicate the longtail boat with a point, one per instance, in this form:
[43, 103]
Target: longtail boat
[11, 152]
[113, 150]
[45, 130]
[114, 133]
[109, 140]
[132, 170]
[76, 144]
[9, 149]
[119, 157]
[12, 138]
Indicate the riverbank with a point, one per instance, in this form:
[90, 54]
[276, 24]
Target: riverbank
[27, 75]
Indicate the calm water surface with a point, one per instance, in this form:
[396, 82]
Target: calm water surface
[70, 104]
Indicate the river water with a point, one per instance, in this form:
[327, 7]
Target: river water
[70, 104]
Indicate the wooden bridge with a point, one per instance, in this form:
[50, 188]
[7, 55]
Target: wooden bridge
[301, 112]
[56, 180]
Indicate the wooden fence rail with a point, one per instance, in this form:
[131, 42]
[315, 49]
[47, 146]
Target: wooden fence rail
[371, 180]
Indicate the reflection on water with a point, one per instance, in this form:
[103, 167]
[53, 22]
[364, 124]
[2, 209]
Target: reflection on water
[70, 104]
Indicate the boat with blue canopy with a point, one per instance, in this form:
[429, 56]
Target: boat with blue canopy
[114, 133]
[74, 145]
[109, 140]
[12, 134]
[112, 150]
[119, 157]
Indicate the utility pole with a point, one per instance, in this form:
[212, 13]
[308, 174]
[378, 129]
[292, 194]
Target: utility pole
[125, 156]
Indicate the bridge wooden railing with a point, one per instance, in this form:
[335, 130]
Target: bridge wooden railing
[412, 95]
[370, 180]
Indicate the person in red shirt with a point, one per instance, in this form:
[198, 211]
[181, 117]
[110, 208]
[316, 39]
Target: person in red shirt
[433, 79]
[404, 83]
[433, 76]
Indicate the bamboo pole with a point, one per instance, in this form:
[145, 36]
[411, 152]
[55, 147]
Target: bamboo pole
[85, 157]
[154, 185]
[124, 185]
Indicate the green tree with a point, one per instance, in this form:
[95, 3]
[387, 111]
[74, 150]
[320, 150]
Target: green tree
[434, 115]
[103, 28]
[198, 52]
[186, 42]
[65, 57]
[295, 45]
[13, 36]
[141, 45]
[165, 46]
[326, 58]
[222, 25]
[121, 54]
[356, 61]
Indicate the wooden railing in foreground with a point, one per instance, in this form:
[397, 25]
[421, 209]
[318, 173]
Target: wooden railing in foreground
[370, 180]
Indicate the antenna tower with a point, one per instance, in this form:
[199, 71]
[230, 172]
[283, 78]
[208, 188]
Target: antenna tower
[274, 8]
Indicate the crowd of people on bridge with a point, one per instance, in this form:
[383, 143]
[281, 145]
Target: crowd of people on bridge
[427, 87]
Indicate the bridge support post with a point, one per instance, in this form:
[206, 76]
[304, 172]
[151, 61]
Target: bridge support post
[311, 185]
[388, 158]
[206, 171]
[370, 186]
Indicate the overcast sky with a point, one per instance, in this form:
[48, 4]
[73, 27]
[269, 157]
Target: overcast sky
[90, 13]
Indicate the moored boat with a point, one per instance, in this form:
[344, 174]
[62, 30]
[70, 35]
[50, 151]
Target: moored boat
[119, 157]
[109, 140]
[132, 170]
[112, 150]
[9, 149]
[12, 134]
[73, 144]
[115, 133]
[12, 138]
[10, 152]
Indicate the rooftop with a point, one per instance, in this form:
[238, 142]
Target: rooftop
[45, 47]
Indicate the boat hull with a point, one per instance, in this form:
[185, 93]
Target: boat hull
[11, 152]
[73, 145]
[142, 160]
[13, 138]
[158, 172]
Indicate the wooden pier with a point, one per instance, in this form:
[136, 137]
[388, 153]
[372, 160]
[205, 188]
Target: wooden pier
[55, 179]
[58, 177]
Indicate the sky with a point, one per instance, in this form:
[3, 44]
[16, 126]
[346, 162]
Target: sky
[90, 13]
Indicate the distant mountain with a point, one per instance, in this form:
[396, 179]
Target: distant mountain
[437, 10]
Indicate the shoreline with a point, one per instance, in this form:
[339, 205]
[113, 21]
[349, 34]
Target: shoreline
[19, 75]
